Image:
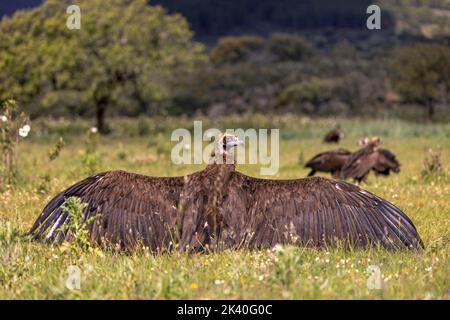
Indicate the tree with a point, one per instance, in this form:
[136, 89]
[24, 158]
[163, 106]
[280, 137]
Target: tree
[126, 55]
[421, 73]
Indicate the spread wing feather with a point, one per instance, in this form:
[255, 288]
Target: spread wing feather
[223, 208]
[131, 209]
[312, 211]
[359, 164]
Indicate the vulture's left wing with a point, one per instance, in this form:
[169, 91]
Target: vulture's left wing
[313, 211]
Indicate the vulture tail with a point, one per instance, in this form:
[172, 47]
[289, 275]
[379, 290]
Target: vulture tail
[53, 217]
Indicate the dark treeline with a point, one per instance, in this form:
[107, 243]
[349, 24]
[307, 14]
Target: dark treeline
[215, 18]
[9, 7]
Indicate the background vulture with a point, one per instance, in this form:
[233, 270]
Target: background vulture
[370, 157]
[219, 207]
[329, 161]
[387, 161]
[334, 135]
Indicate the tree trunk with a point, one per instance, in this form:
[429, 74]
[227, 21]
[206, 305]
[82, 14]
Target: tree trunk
[430, 107]
[101, 110]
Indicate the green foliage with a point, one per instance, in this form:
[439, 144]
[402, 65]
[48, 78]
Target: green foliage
[308, 94]
[287, 262]
[124, 58]
[9, 233]
[338, 82]
[54, 154]
[421, 73]
[45, 180]
[77, 225]
[287, 47]
[236, 49]
[279, 47]
[432, 165]
[13, 127]
[44, 185]
[428, 18]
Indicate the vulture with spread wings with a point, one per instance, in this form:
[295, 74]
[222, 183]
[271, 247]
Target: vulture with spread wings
[219, 207]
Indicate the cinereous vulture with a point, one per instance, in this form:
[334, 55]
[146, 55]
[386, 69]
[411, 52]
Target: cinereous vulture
[334, 135]
[369, 157]
[387, 161]
[219, 207]
[329, 161]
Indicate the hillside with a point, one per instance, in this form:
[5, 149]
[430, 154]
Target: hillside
[216, 18]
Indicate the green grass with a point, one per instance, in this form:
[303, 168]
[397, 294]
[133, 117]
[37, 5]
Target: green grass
[30, 270]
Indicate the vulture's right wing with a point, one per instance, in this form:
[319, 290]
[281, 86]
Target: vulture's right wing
[313, 211]
[131, 209]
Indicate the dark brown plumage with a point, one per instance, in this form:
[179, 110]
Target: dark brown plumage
[369, 157]
[387, 162]
[219, 207]
[334, 135]
[362, 161]
[132, 206]
[329, 161]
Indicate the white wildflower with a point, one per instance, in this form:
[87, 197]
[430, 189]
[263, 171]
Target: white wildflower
[3, 118]
[94, 130]
[219, 282]
[26, 128]
[278, 248]
[23, 133]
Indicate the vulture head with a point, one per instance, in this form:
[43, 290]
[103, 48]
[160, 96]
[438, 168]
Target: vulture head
[362, 142]
[374, 141]
[223, 145]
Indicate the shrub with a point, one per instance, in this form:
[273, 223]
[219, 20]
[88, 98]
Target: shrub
[77, 224]
[236, 49]
[288, 47]
[312, 92]
[432, 163]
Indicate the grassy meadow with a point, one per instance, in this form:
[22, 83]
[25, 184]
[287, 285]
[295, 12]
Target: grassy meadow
[30, 270]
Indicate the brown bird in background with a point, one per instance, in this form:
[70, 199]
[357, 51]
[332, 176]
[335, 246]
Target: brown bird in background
[387, 161]
[329, 161]
[369, 157]
[334, 135]
[219, 207]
